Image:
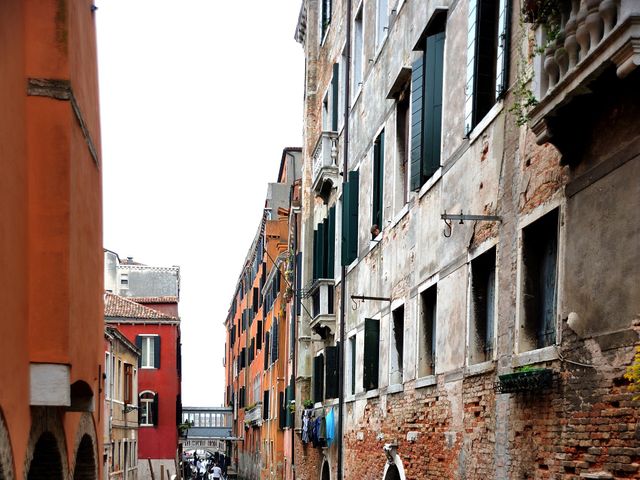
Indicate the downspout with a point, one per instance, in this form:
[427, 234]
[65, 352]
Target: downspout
[111, 396]
[343, 270]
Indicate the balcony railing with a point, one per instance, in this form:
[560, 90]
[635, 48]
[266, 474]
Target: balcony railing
[322, 299]
[253, 415]
[592, 33]
[325, 167]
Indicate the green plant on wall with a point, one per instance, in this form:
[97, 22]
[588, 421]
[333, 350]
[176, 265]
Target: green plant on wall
[633, 374]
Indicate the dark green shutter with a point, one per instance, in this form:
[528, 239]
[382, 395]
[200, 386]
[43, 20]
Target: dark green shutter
[139, 345]
[371, 353]
[334, 97]
[378, 180]
[259, 335]
[502, 60]
[433, 103]
[322, 240]
[154, 409]
[265, 405]
[267, 348]
[282, 411]
[318, 378]
[274, 342]
[331, 372]
[331, 239]
[156, 351]
[417, 104]
[350, 198]
[316, 255]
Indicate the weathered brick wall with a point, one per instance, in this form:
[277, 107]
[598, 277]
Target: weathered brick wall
[308, 460]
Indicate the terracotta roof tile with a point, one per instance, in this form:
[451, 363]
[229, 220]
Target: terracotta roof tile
[117, 306]
[165, 299]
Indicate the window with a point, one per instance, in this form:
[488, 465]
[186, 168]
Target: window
[397, 346]
[325, 17]
[427, 332]
[325, 112]
[108, 375]
[318, 378]
[335, 88]
[324, 247]
[119, 381]
[426, 97]
[148, 409]
[350, 199]
[371, 353]
[483, 294]
[378, 185]
[358, 50]
[487, 57]
[331, 372]
[382, 21]
[149, 345]
[124, 280]
[352, 369]
[403, 112]
[539, 284]
[341, 88]
[128, 383]
[265, 405]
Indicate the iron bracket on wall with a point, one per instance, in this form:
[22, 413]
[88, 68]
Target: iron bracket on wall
[366, 297]
[449, 218]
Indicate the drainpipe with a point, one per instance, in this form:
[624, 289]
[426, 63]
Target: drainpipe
[111, 396]
[343, 270]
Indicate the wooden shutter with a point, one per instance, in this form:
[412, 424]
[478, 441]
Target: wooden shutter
[502, 58]
[154, 409]
[350, 198]
[332, 373]
[371, 353]
[288, 398]
[318, 378]
[471, 66]
[259, 335]
[331, 242]
[433, 103]
[274, 342]
[298, 283]
[316, 255]
[378, 180]
[139, 345]
[282, 411]
[267, 346]
[417, 130]
[321, 250]
[334, 96]
[265, 405]
[156, 351]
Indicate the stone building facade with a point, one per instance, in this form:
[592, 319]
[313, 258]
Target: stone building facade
[490, 289]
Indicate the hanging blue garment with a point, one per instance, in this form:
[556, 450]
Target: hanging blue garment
[330, 426]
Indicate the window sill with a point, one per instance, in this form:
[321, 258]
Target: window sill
[540, 355]
[397, 388]
[148, 368]
[428, 185]
[368, 394]
[479, 368]
[399, 216]
[426, 381]
[356, 96]
[146, 425]
[479, 129]
[350, 398]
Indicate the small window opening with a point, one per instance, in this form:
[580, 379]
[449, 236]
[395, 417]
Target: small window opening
[397, 346]
[427, 332]
[483, 277]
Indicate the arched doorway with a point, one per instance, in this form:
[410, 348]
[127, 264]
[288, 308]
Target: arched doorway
[85, 468]
[46, 463]
[392, 473]
[326, 475]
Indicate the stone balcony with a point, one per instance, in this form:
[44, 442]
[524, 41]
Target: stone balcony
[325, 167]
[253, 415]
[322, 297]
[594, 34]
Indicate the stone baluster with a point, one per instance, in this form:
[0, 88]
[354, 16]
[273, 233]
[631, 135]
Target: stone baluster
[609, 13]
[550, 65]
[334, 151]
[593, 23]
[582, 34]
[570, 43]
[560, 55]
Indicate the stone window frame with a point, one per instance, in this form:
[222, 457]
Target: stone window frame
[144, 405]
[395, 306]
[425, 380]
[143, 364]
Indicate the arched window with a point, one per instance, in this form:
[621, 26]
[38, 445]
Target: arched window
[148, 408]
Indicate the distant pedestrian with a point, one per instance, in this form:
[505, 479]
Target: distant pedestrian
[216, 472]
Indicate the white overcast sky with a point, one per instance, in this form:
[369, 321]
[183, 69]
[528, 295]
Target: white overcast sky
[198, 98]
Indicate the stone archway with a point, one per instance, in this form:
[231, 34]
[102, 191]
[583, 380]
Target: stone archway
[85, 468]
[46, 463]
[6, 454]
[326, 472]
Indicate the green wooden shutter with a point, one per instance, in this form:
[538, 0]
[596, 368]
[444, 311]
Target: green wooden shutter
[433, 103]
[282, 411]
[156, 351]
[502, 59]
[331, 242]
[139, 345]
[471, 66]
[378, 180]
[267, 347]
[417, 130]
[321, 251]
[371, 353]
[265, 405]
[318, 378]
[350, 198]
[154, 409]
[331, 372]
[259, 335]
[334, 97]
[316, 255]
[274, 342]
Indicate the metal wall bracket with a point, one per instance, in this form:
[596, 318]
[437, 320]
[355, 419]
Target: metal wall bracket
[449, 218]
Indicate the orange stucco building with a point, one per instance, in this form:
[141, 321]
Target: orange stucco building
[50, 241]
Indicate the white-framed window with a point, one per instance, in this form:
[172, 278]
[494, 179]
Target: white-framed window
[124, 280]
[150, 350]
[148, 405]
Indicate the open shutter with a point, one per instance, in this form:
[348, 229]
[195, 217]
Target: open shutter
[502, 59]
[321, 250]
[298, 283]
[371, 353]
[332, 380]
[267, 348]
[417, 130]
[471, 66]
[433, 103]
[259, 335]
[350, 198]
[274, 342]
[316, 255]
[156, 351]
[265, 405]
[282, 411]
[318, 378]
[139, 411]
[331, 242]
[154, 409]
[378, 179]
[139, 345]
[334, 97]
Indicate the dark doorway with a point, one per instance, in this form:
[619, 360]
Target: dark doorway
[325, 471]
[85, 460]
[392, 473]
[46, 463]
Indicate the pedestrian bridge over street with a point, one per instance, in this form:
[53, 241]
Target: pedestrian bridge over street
[211, 428]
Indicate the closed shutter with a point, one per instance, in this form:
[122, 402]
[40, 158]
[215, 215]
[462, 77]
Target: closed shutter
[417, 130]
[289, 397]
[267, 347]
[334, 97]
[433, 103]
[371, 353]
[156, 351]
[274, 342]
[259, 335]
[139, 345]
[332, 373]
[282, 411]
[502, 59]
[471, 66]
[316, 255]
[255, 299]
[318, 378]
[350, 198]
[155, 409]
[378, 180]
[265, 405]
[178, 410]
[298, 283]
[331, 242]
[321, 250]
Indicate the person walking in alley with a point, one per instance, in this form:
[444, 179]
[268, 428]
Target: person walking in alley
[216, 472]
